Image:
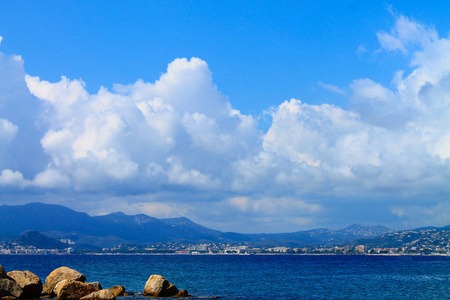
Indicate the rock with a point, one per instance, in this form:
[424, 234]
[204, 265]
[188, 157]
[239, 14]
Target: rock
[158, 286]
[29, 282]
[59, 275]
[182, 293]
[8, 287]
[58, 287]
[100, 295]
[118, 290]
[74, 290]
[2, 272]
[96, 285]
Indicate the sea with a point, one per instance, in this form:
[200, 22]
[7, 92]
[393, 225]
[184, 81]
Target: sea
[259, 276]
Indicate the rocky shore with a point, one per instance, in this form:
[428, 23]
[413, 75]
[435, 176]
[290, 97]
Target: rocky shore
[67, 284]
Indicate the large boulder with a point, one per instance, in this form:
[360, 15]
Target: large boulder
[29, 282]
[118, 290]
[100, 295]
[159, 286]
[8, 288]
[74, 290]
[96, 286]
[2, 272]
[62, 273]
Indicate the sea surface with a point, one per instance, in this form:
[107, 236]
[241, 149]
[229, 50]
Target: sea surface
[260, 276]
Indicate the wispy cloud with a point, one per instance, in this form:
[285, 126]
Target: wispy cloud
[361, 50]
[406, 33]
[331, 88]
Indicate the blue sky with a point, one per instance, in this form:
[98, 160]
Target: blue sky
[260, 52]
[251, 116]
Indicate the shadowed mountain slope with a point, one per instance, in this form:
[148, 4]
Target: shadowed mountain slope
[38, 240]
[113, 229]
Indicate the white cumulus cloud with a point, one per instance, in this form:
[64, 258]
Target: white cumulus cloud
[110, 138]
[180, 140]
[51, 178]
[12, 178]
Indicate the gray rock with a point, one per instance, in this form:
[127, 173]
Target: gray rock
[158, 286]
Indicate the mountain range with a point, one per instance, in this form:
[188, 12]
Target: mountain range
[60, 222]
[419, 237]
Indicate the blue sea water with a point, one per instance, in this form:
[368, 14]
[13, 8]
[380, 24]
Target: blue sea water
[260, 276]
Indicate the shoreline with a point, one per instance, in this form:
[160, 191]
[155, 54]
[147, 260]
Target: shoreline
[225, 254]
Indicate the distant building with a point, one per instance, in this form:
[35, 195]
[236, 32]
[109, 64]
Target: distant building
[70, 250]
[360, 249]
[201, 247]
[279, 249]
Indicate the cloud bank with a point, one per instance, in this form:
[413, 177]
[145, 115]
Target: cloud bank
[177, 146]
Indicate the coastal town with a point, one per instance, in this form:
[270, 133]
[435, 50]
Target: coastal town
[228, 249]
[425, 241]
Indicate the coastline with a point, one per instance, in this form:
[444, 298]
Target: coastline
[226, 254]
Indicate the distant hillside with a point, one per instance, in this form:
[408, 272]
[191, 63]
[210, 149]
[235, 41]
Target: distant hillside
[38, 240]
[18, 219]
[429, 236]
[118, 228]
[103, 231]
[321, 236]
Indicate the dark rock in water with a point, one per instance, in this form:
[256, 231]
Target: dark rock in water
[74, 290]
[100, 295]
[182, 293]
[118, 290]
[159, 286]
[2, 272]
[8, 287]
[60, 274]
[29, 282]
[96, 285]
